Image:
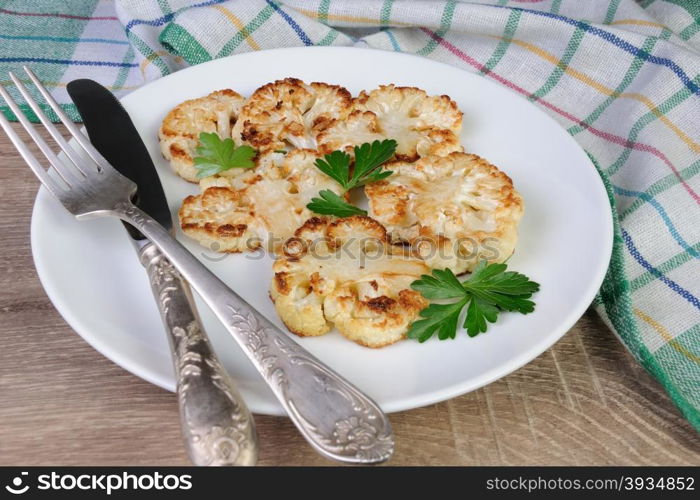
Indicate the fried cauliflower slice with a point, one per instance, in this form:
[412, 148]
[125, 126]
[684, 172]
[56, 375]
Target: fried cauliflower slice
[453, 210]
[259, 206]
[179, 132]
[421, 124]
[344, 272]
[288, 114]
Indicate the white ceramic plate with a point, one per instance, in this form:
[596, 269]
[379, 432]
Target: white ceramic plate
[91, 273]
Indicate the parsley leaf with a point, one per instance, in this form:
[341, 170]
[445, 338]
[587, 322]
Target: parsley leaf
[369, 158]
[478, 313]
[507, 290]
[336, 165]
[489, 290]
[440, 318]
[330, 203]
[443, 284]
[215, 155]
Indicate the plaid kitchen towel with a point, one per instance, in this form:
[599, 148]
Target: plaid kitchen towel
[623, 77]
[63, 40]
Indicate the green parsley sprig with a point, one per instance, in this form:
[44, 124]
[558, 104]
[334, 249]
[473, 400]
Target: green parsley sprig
[489, 291]
[215, 155]
[369, 157]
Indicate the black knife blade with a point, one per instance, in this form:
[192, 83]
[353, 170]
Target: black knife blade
[112, 132]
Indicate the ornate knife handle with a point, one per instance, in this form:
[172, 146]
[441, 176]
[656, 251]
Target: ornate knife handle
[337, 419]
[217, 425]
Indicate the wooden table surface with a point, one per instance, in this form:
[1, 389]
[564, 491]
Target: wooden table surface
[585, 401]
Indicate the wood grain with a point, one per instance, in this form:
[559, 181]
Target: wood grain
[583, 402]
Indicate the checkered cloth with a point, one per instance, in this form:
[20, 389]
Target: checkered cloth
[623, 77]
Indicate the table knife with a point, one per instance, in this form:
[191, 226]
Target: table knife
[217, 426]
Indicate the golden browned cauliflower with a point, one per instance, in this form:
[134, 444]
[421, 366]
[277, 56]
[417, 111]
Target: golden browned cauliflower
[453, 210]
[179, 132]
[421, 124]
[259, 206]
[289, 114]
[344, 272]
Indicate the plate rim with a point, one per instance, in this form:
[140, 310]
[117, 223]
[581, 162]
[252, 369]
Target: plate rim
[406, 403]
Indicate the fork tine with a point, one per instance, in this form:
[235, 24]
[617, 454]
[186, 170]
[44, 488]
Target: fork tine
[64, 172]
[23, 150]
[74, 131]
[69, 151]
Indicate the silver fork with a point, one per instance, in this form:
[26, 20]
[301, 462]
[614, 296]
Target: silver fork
[337, 419]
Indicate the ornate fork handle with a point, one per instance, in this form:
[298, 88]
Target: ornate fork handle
[216, 424]
[335, 417]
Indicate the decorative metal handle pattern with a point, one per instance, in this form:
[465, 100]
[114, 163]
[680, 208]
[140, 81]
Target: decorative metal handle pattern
[217, 426]
[335, 417]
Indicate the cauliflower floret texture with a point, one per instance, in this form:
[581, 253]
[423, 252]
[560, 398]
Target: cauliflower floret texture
[179, 132]
[421, 124]
[259, 206]
[454, 210]
[344, 272]
[288, 114]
